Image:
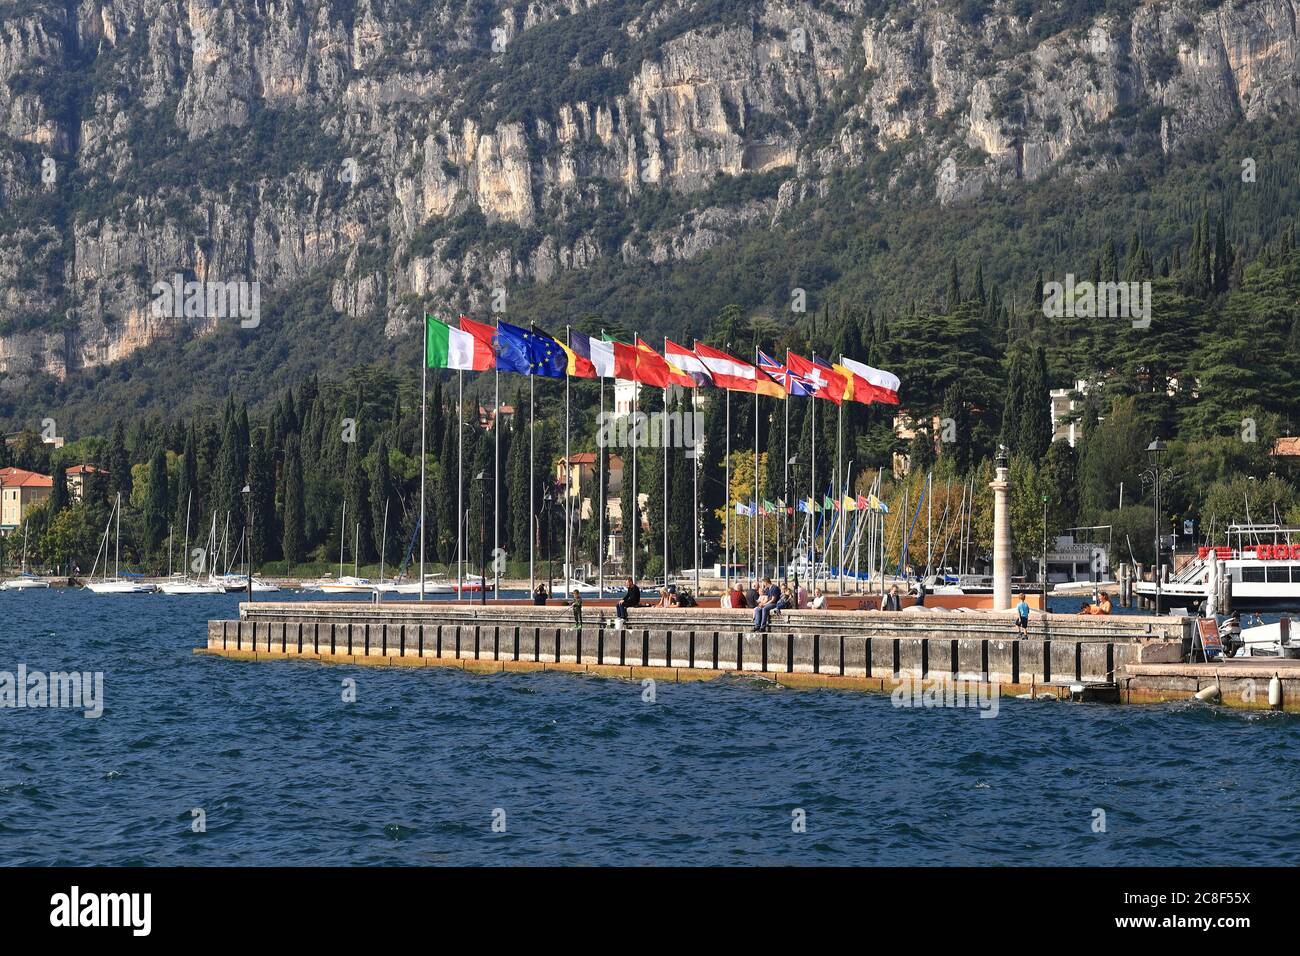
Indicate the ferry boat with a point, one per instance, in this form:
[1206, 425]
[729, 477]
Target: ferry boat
[1260, 565]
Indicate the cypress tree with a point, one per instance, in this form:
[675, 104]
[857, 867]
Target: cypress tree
[1035, 427]
[187, 483]
[157, 507]
[357, 528]
[59, 497]
[291, 538]
[118, 463]
[261, 486]
[381, 501]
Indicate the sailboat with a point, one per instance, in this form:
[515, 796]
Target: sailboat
[116, 584]
[24, 581]
[346, 583]
[188, 585]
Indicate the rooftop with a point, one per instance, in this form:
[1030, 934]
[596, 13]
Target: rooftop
[21, 478]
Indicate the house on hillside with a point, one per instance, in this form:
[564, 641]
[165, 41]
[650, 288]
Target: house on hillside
[20, 491]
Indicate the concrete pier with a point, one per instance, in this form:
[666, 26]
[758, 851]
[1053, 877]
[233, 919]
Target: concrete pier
[866, 651]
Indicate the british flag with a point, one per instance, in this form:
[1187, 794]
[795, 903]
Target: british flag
[788, 380]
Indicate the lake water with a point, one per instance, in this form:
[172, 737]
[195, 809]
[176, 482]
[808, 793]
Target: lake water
[584, 770]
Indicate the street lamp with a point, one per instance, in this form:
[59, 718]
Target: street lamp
[483, 480]
[1043, 570]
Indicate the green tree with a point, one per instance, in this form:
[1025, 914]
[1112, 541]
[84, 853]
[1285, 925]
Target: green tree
[157, 505]
[291, 537]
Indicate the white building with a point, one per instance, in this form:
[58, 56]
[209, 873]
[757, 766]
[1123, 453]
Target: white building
[1064, 406]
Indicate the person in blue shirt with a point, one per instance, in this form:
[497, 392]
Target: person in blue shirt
[1022, 617]
[766, 603]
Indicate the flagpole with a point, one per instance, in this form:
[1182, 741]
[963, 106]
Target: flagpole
[663, 465]
[600, 463]
[839, 483]
[929, 522]
[636, 440]
[785, 491]
[812, 538]
[460, 468]
[695, 499]
[726, 501]
[496, 484]
[424, 388]
[755, 519]
[568, 471]
[532, 491]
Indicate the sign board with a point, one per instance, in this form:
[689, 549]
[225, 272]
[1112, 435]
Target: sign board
[1208, 631]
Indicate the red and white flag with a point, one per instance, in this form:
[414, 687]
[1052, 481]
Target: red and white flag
[686, 362]
[727, 371]
[882, 386]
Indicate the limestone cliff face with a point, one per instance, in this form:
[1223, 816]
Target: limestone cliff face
[420, 155]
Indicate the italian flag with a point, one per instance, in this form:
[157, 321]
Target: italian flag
[447, 347]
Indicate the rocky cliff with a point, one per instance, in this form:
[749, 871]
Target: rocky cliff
[422, 153]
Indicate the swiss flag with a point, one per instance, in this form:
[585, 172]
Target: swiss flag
[825, 381]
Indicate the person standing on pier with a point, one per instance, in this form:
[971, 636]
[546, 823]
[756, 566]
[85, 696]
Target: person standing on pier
[892, 602]
[576, 604]
[1022, 617]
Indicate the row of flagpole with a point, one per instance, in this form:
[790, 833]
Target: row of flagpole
[758, 552]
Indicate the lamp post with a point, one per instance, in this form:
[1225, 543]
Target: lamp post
[1043, 569]
[483, 480]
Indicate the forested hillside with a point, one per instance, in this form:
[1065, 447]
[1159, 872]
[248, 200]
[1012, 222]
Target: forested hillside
[897, 181]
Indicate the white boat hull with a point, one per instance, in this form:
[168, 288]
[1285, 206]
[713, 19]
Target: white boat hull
[191, 587]
[120, 587]
[24, 584]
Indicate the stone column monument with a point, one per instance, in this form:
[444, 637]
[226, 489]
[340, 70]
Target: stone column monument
[1001, 535]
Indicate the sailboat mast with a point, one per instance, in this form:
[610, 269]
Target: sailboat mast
[343, 534]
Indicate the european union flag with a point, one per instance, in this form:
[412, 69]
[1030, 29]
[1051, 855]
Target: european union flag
[547, 355]
[511, 344]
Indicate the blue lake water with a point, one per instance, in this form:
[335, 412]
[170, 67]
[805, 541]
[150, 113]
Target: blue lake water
[583, 770]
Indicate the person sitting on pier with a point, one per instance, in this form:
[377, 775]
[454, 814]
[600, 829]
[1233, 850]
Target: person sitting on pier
[766, 604]
[736, 597]
[631, 598]
[1103, 605]
[541, 595]
[751, 594]
[819, 602]
[576, 604]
